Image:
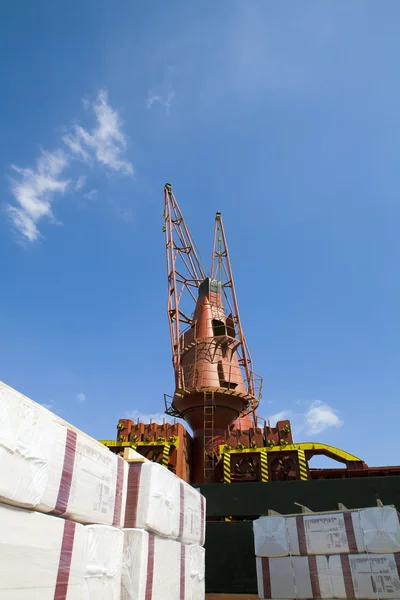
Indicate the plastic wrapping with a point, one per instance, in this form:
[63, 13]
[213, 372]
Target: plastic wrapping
[194, 572]
[381, 529]
[367, 576]
[270, 537]
[308, 534]
[160, 502]
[374, 529]
[41, 557]
[54, 468]
[293, 577]
[103, 563]
[157, 568]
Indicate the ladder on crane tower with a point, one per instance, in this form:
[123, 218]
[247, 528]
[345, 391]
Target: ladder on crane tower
[208, 432]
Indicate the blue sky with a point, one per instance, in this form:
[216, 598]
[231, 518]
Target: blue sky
[282, 115]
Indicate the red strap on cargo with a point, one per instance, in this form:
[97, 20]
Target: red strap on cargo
[132, 496]
[348, 580]
[64, 565]
[266, 577]
[301, 534]
[312, 566]
[397, 559]
[351, 536]
[183, 573]
[150, 568]
[66, 475]
[118, 492]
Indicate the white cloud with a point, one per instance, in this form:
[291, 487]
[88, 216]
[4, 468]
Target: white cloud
[81, 397]
[318, 417]
[321, 416]
[53, 406]
[163, 94]
[165, 101]
[280, 416]
[75, 147]
[106, 142]
[80, 183]
[151, 98]
[90, 195]
[34, 191]
[158, 418]
[86, 102]
[134, 415]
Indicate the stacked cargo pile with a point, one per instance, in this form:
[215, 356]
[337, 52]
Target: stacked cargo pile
[343, 554]
[163, 536]
[78, 522]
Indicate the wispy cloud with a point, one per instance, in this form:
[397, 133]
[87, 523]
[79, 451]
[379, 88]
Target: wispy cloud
[81, 182]
[53, 406]
[166, 101]
[162, 94]
[317, 417]
[90, 195]
[35, 189]
[106, 142]
[159, 418]
[151, 98]
[134, 415]
[81, 397]
[280, 416]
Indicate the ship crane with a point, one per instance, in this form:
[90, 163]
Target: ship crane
[215, 386]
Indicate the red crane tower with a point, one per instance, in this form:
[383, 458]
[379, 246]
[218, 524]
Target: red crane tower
[215, 387]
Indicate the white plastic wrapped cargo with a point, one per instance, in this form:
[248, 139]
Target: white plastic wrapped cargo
[194, 572]
[193, 509]
[290, 577]
[54, 468]
[367, 576]
[312, 534]
[381, 529]
[103, 563]
[333, 533]
[374, 529]
[41, 557]
[162, 503]
[270, 537]
[151, 567]
[157, 568]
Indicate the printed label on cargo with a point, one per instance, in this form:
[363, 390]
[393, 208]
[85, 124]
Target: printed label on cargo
[94, 481]
[325, 533]
[375, 576]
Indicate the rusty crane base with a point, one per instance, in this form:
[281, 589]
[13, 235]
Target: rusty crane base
[258, 455]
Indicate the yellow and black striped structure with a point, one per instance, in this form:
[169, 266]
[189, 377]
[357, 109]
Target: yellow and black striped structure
[227, 467]
[303, 470]
[300, 449]
[167, 447]
[264, 467]
[165, 456]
